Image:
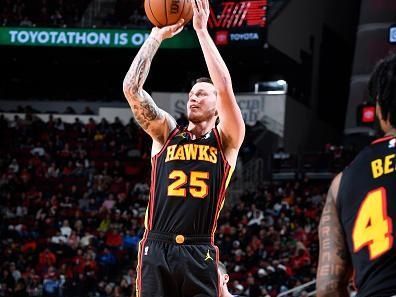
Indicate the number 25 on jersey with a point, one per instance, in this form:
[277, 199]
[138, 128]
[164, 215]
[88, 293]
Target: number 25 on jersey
[197, 185]
[373, 227]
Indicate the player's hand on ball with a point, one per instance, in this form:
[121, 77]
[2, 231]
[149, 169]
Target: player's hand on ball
[168, 31]
[201, 14]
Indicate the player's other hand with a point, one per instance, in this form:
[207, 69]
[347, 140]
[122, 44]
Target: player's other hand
[167, 31]
[201, 14]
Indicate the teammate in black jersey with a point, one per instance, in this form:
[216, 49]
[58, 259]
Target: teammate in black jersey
[358, 223]
[191, 168]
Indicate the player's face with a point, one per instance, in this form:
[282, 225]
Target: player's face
[201, 105]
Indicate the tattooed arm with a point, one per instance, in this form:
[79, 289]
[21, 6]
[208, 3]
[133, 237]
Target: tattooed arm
[155, 121]
[333, 269]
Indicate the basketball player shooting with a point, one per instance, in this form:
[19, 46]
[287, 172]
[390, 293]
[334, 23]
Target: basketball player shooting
[191, 168]
[356, 231]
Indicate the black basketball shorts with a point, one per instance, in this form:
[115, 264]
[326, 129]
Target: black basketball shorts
[177, 266]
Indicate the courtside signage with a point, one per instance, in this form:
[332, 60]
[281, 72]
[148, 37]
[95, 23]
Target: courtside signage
[88, 38]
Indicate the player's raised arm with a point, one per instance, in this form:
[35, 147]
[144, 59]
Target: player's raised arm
[232, 127]
[333, 272]
[155, 121]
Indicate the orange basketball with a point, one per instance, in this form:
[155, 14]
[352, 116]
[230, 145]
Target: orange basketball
[167, 12]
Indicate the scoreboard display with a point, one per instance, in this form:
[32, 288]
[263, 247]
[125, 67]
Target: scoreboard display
[239, 23]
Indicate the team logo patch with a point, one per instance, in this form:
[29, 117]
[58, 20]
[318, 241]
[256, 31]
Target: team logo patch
[208, 256]
[182, 135]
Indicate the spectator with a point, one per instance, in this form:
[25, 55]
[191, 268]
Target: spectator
[14, 166]
[20, 289]
[113, 239]
[47, 258]
[38, 150]
[69, 109]
[26, 22]
[65, 229]
[51, 284]
[16, 274]
[7, 282]
[88, 111]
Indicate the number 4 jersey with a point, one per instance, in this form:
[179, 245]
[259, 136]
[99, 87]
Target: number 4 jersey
[367, 209]
[188, 183]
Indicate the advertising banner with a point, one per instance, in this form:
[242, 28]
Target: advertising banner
[100, 38]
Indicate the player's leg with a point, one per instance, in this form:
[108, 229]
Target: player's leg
[200, 276]
[153, 275]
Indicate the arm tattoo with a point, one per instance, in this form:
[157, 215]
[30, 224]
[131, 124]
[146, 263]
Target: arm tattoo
[333, 272]
[145, 112]
[143, 106]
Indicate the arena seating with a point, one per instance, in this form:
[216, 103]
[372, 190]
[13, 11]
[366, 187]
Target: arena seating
[72, 202]
[60, 13]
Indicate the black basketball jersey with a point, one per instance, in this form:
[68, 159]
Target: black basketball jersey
[188, 184]
[366, 205]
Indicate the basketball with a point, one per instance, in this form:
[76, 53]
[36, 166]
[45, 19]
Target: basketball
[167, 12]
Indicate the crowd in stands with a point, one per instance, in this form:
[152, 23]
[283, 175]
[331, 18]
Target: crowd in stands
[72, 202]
[62, 13]
[69, 13]
[38, 13]
[69, 110]
[126, 13]
[269, 238]
[331, 159]
[72, 205]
